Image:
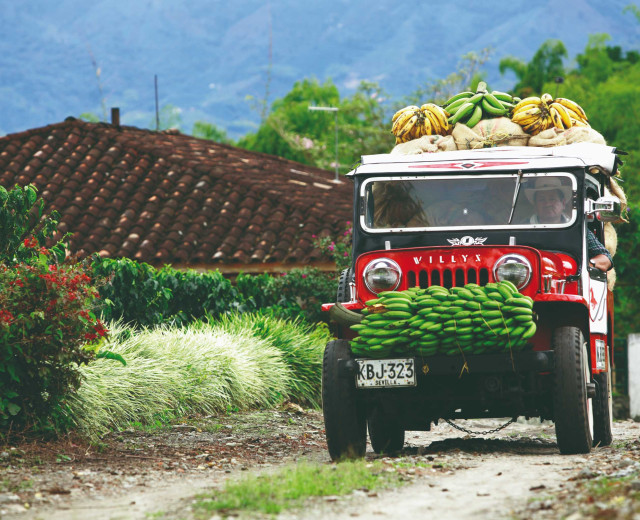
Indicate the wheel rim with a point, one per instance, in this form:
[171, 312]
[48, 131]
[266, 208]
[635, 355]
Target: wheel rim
[587, 379]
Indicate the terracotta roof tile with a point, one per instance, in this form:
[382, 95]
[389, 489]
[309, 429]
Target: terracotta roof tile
[166, 197]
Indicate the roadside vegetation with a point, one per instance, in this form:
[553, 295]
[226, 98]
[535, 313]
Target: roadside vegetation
[99, 345]
[204, 368]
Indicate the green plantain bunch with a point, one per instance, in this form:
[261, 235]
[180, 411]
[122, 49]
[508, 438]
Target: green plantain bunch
[470, 319]
[471, 107]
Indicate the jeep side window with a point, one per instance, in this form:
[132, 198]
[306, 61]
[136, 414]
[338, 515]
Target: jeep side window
[396, 205]
[592, 224]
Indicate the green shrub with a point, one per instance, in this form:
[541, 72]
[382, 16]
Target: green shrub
[144, 296]
[300, 293]
[195, 294]
[131, 291]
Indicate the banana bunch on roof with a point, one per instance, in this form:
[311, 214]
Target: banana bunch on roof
[536, 114]
[470, 108]
[413, 122]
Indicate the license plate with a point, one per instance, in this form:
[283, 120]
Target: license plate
[382, 373]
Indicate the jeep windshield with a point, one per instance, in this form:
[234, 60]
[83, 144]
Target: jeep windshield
[409, 203]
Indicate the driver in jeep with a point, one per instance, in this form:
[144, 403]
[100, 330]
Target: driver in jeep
[549, 197]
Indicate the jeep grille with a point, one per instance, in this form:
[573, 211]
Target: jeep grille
[447, 277]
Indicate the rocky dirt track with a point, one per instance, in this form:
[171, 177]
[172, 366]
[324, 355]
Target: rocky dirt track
[515, 473]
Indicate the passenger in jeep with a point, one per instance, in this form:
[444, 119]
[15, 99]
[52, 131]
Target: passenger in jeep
[549, 197]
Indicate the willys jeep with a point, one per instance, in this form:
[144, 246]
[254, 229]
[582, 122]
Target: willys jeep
[468, 218]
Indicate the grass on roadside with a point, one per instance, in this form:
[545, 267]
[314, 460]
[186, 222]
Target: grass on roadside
[289, 487]
[206, 368]
[611, 489]
[301, 346]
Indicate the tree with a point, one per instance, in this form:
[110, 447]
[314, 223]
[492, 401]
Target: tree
[89, 117]
[546, 64]
[205, 130]
[170, 117]
[292, 131]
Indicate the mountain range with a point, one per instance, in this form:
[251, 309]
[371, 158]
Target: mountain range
[69, 57]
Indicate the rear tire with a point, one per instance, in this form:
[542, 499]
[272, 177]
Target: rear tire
[573, 411]
[603, 410]
[344, 417]
[385, 435]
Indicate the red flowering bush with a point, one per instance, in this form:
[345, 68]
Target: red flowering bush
[46, 330]
[47, 327]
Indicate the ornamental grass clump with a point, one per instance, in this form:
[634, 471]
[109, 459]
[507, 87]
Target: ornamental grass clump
[174, 372]
[301, 345]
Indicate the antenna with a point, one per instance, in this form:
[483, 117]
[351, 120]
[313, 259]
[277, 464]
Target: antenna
[155, 80]
[558, 80]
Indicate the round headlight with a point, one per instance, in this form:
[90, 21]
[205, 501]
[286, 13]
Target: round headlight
[513, 268]
[382, 274]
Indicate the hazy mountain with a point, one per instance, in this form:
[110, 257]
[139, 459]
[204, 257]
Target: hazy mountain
[210, 55]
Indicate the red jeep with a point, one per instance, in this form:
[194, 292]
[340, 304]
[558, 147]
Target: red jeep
[469, 217]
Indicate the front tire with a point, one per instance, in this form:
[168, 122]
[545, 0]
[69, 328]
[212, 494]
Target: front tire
[573, 412]
[344, 417]
[603, 410]
[385, 434]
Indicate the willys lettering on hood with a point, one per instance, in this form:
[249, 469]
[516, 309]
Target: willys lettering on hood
[447, 259]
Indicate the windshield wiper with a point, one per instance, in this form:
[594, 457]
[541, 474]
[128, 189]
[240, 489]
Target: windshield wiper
[515, 196]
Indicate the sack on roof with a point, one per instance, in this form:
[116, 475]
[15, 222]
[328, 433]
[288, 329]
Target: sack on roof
[581, 134]
[549, 137]
[426, 144]
[576, 134]
[499, 131]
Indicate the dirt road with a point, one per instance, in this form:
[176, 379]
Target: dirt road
[514, 473]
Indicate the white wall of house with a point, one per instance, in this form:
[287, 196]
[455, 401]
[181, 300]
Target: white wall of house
[633, 356]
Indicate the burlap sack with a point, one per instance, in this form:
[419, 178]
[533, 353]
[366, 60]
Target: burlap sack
[611, 278]
[426, 144]
[488, 133]
[610, 238]
[549, 137]
[581, 134]
[446, 144]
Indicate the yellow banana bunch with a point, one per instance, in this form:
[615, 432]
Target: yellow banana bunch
[438, 118]
[536, 114]
[413, 122]
[571, 113]
[403, 122]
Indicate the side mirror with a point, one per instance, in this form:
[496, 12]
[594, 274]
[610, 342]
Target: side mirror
[606, 209]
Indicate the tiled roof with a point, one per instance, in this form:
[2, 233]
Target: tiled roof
[164, 197]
